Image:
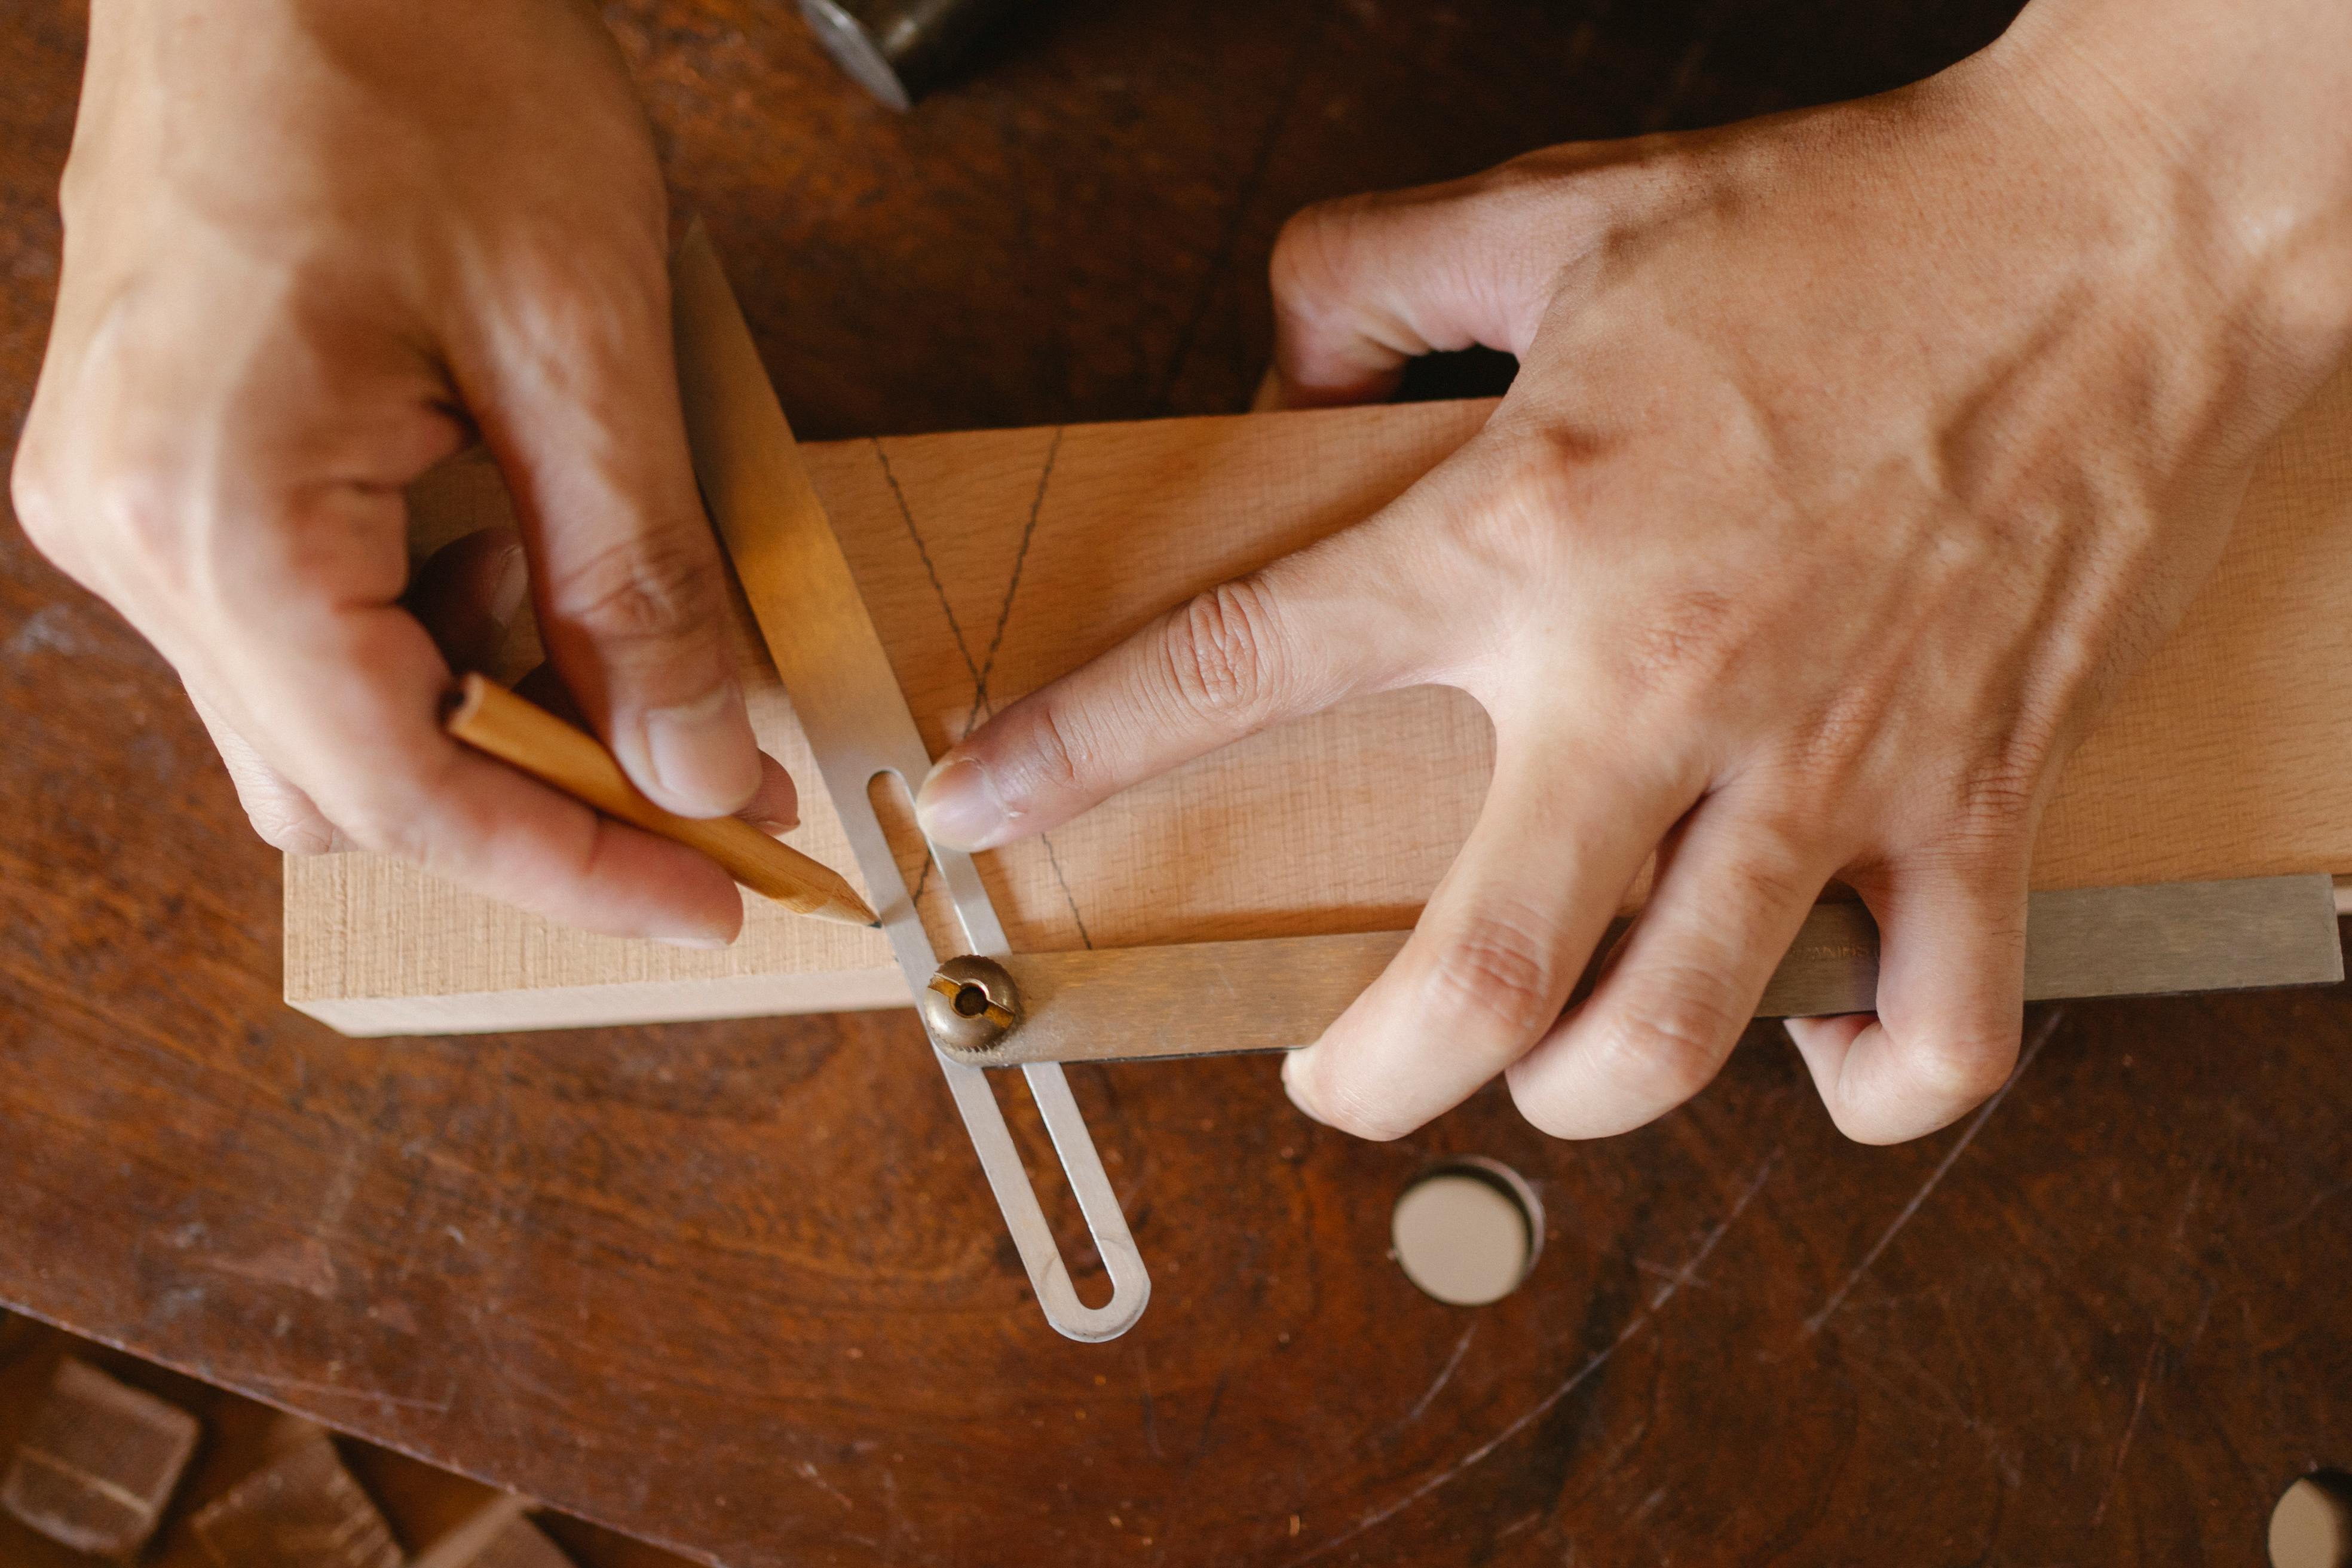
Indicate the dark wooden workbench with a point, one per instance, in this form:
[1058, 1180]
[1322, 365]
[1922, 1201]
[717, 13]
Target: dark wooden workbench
[738, 1288]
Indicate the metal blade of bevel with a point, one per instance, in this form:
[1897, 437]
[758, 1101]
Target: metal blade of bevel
[859, 725]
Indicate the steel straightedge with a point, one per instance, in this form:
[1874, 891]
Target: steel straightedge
[857, 722]
[1281, 992]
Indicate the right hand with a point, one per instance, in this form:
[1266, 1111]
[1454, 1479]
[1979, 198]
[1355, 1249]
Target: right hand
[1854, 459]
[314, 247]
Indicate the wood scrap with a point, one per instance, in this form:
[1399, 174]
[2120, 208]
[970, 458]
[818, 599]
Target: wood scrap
[303, 1510]
[499, 1535]
[99, 1464]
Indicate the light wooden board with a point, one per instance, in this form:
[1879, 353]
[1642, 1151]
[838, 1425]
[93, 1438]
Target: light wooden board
[993, 561]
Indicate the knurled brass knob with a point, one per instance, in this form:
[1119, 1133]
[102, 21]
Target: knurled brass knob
[970, 1003]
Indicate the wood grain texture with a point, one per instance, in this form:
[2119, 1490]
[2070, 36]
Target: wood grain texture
[739, 1287]
[992, 562]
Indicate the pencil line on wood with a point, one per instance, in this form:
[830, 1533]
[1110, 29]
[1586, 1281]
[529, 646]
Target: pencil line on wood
[1020, 559]
[906, 514]
[1064, 883]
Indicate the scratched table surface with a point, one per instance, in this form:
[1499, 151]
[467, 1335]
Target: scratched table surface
[738, 1287]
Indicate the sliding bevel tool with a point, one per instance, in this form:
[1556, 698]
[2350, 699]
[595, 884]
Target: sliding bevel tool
[859, 725]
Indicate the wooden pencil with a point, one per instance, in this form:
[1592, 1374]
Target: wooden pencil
[487, 717]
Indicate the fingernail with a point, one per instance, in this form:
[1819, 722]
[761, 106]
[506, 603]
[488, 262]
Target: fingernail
[957, 806]
[1291, 1074]
[514, 581]
[699, 944]
[776, 809]
[702, 753]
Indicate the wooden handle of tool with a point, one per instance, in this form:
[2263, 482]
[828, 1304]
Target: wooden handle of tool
[489, 718]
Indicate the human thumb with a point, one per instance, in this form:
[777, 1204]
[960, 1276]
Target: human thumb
[581, 409]
[1363, 284]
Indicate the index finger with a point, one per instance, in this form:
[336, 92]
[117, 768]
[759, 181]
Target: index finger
[1354, 613]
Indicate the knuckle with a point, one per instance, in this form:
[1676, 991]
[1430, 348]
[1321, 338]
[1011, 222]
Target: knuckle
[1539, 172]
[585, 303]
[1223, 653]
[1962, 1070]
[1497, 971]
[1977, 815]
[293, 830]
[1999, 797]
[1985, 857]
[1056, 760]
[75, 181]
[131, 510]
[1780, 870]
[1537, 486]
[1568, 189]
[1666, 1048]
[1830, 750]
[1309, 260]
[654, 590]
[1533, 493]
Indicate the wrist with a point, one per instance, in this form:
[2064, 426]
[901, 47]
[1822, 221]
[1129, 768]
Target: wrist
[2223, 124]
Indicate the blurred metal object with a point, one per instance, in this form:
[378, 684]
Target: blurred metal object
[901, 50]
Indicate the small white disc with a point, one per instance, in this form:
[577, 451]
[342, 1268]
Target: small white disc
[2310, 1528]
[1461, 1239]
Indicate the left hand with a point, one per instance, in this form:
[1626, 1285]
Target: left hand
[1854, 458]
[314, 247]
